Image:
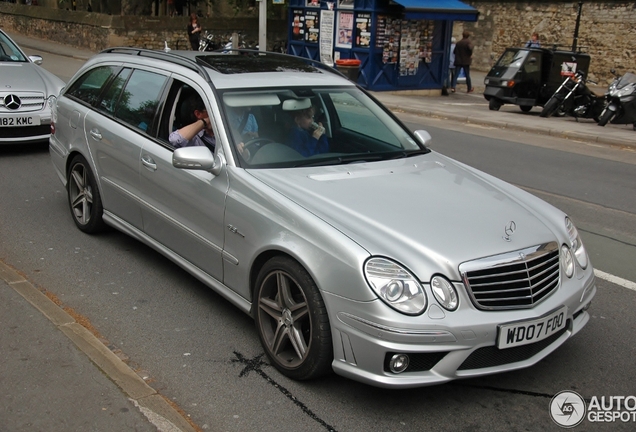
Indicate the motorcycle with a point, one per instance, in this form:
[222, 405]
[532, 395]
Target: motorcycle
[621, 101]
[207, 42]
[574, 98]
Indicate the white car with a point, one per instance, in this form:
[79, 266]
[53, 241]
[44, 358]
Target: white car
[25, 114]
[355, 248]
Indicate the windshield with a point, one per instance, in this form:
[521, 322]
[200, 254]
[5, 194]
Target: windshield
[628, 78]
[9, 52]
[512, 58]
[280, 128]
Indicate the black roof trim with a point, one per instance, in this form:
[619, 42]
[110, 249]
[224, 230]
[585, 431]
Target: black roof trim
[161, 55]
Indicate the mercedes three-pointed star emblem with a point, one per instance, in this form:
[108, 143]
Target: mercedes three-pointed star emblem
[12, 102]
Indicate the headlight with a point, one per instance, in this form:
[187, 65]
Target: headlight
[567, 262]
[395, 286]
[627, 90]
[444, 292]
[576, 244]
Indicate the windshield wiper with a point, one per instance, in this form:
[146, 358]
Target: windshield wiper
[356, 158]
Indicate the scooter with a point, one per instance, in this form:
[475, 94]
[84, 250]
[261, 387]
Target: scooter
[621, 101]
[574, 98]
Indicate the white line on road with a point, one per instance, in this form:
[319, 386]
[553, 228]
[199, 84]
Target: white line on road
[615, 280]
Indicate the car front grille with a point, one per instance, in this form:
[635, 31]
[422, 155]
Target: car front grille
[29, 101]
[492, 356]
[515, 280]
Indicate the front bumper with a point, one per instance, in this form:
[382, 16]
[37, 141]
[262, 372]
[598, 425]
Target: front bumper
[444, 346]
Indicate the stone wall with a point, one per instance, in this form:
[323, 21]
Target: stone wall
[607, 31]
[97, 31]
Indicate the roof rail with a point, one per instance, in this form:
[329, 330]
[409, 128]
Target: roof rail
[161, 55]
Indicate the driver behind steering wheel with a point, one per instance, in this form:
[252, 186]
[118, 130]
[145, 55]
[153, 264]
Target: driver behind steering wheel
[245, 128]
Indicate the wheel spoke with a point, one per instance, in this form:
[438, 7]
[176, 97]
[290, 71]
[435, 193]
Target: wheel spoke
[270, 307]
[284, 291]
[280, 336]
[297, 341]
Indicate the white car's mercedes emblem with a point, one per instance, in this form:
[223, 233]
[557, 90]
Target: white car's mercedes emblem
[12, 102]
[510, 228]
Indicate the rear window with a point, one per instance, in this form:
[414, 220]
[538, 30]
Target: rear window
[89, 86]
[138, 101]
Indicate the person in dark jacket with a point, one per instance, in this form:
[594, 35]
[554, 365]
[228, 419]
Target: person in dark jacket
[463, 59]
[194, 31]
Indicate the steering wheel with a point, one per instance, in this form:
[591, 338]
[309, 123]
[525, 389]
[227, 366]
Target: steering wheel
[255, 144]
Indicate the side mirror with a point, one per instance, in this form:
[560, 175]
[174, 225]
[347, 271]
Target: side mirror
[198, 158]
[424, 137]
[36, 59]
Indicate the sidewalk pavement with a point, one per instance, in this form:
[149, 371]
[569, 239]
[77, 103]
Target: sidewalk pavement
[58, 376]
[47, 383]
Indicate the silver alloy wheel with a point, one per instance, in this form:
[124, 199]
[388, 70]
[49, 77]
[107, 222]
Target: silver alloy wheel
[80, 194]
[83, 196]
[284, 321]
[291, 320]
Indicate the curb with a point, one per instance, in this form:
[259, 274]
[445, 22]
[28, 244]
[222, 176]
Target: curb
[154, 406]
[573, 135]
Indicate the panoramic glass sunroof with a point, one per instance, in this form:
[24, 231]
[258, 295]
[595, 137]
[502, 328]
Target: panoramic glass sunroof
[255, 62]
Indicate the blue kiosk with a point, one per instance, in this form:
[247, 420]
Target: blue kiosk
[399, 45]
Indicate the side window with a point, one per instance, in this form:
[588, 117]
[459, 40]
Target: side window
[89, 86]
[109, 101]
[140, 98]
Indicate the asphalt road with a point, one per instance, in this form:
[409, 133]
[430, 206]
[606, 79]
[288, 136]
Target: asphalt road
[202, 353]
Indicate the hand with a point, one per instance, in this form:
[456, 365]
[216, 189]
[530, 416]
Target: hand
[319, 131]
[243, 151]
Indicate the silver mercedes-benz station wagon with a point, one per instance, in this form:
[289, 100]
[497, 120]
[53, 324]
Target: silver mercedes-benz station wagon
[355, 248]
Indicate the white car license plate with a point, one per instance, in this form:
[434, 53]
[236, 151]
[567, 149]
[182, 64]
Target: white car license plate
[19, 120]
[527, 332]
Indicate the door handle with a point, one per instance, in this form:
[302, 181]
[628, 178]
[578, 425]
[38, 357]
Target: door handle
[96, 134]
[149, 162]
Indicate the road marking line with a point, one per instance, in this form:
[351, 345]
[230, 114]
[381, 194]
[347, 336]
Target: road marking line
[615, 280]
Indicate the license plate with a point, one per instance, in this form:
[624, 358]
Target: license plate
[527, 332]
[19, 121]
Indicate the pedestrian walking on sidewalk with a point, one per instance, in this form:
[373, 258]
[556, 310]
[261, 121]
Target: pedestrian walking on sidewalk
[463, 59]
[451, 65]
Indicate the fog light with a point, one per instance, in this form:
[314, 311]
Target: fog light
[587, 306]
[399, 363]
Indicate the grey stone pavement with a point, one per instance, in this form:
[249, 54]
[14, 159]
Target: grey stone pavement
[58, 376]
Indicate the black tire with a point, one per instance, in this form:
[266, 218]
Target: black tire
[83, 197]
[525, 108]
[551, 107]
[605, 117]
[301, 348]
[494, 104]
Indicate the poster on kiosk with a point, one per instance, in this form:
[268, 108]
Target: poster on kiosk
[399, 44]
